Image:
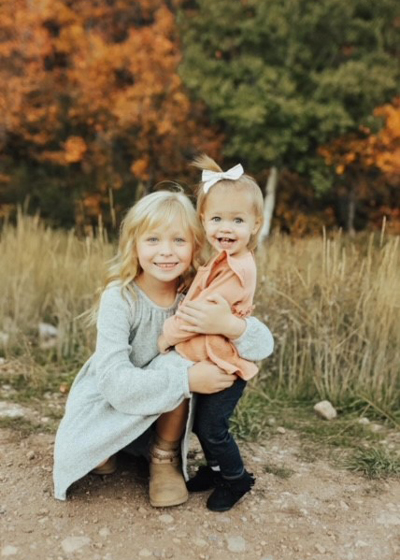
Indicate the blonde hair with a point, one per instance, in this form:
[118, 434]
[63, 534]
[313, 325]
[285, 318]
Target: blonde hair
[161, 208]
[245, 182]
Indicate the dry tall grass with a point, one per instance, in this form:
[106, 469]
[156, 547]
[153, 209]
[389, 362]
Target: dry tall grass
[48, 276]
[332, 304]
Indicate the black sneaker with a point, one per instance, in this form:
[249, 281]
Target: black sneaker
[229, 492]
[204, 479]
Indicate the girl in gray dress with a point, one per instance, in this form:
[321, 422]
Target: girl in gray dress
[115, 400]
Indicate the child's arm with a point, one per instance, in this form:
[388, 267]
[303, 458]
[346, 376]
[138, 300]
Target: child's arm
[213, 316]
[131, 389]
[228, 287]
[252, 338]
[127, 388]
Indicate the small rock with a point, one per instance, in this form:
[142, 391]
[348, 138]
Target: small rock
[47, 331]
[321, 549]
[325, 410]
[104, 532]
[64, 388]
[363, 421]
[200, 543]
[388, 519]
[145, 553]
[166, 518]
[9, 550]
[375, 427]
[30, 455]
[48, 335]
[12, 410]
[236, 544]
[271, 421]
[281, 430]
[4, 338]
[73, 544]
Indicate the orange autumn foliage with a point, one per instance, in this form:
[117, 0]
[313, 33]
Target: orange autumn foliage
[370, 164]
[381, 150]
[94, 86]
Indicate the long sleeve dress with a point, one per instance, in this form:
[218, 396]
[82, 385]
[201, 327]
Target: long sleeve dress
[115, 398]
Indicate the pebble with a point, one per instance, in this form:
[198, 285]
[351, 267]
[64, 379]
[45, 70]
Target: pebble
[104, 532]
[30, 455]
[145, 553]
[271, 421]
[236, 544]
[47, 336]
[4, 338]
[375, 427]
[200, 543]
[319, 548]
[9, 550]
[388, 519]
[325, 410]
[12, 410]
[281, 430]
[166, 518]
[73, 544]
[363, 421]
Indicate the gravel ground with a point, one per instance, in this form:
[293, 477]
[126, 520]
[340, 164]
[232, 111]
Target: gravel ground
[307, 509]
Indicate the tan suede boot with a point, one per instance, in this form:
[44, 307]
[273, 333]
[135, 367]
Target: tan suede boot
[167, 486]
[109, 466]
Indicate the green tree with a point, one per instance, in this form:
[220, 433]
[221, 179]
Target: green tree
[286, 76]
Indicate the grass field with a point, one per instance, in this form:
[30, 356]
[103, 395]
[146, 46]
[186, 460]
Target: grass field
[332, 304]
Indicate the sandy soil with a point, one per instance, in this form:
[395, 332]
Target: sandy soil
[318, 512]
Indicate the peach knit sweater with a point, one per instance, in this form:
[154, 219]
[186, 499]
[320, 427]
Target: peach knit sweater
[234, 278]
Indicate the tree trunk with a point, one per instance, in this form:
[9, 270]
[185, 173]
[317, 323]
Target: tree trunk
[269, 202]
[351, 210]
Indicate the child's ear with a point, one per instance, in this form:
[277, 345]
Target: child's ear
[256, 227]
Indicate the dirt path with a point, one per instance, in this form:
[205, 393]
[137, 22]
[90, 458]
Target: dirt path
[316, 512]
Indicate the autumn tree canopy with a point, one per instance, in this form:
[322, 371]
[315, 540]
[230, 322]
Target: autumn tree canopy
[91, 103]
[102, 99]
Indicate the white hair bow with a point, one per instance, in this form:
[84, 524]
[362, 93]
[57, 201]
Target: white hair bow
[209, 178]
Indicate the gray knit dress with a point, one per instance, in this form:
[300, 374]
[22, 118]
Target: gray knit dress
[115, 398]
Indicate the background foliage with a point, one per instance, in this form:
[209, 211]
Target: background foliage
[101, 100]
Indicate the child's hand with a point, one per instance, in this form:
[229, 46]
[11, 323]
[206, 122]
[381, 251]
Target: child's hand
[213, 316]
[163, 346]
[205, 377]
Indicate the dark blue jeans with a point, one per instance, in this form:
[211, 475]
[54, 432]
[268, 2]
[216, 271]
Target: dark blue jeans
[211, 425]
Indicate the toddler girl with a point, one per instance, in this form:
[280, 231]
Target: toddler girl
[230, 206]
[114, 401]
